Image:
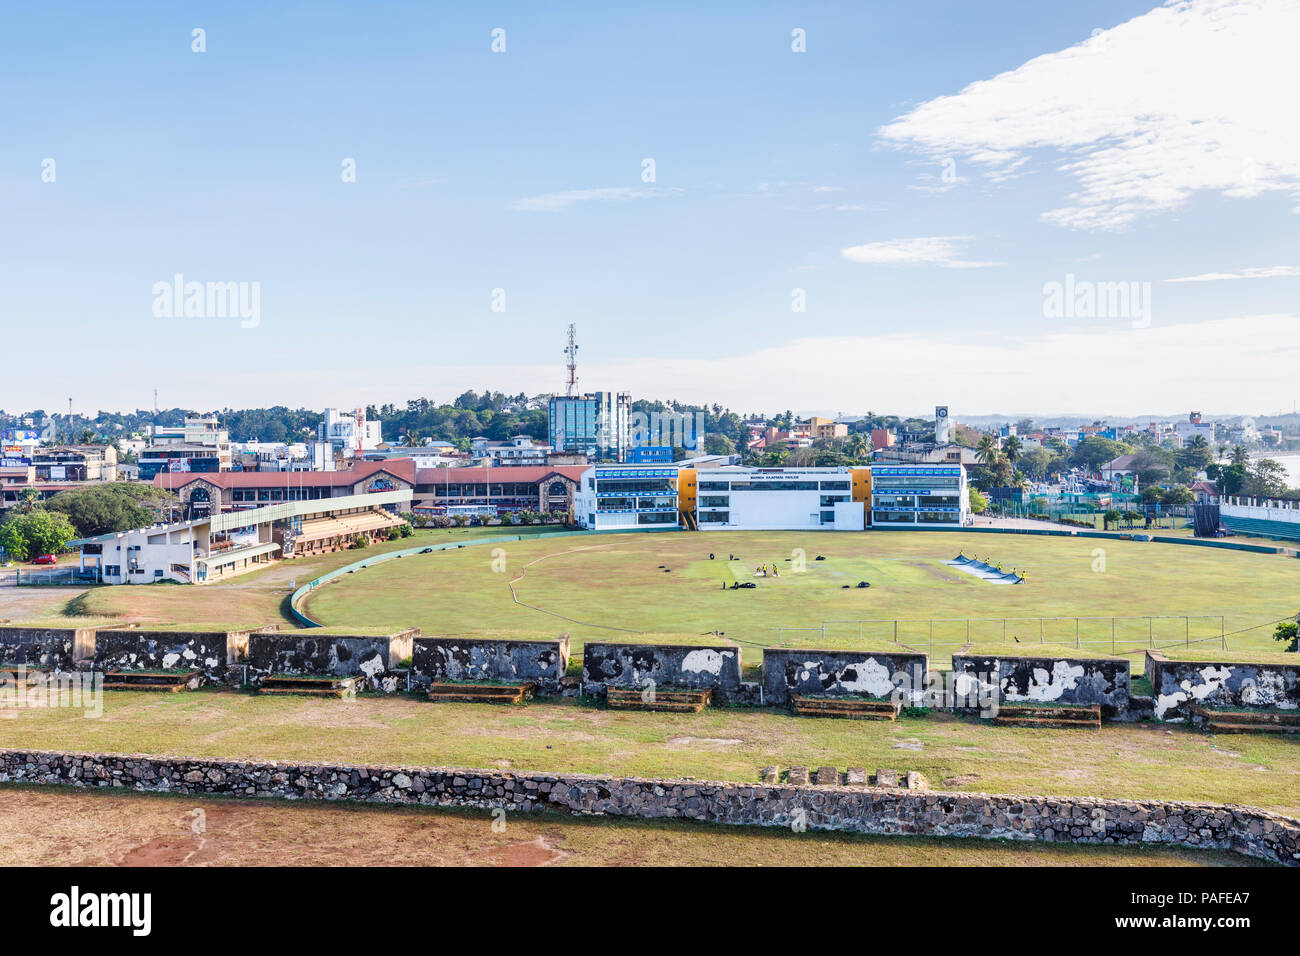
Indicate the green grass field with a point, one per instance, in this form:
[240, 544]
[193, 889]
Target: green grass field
[613, 586]
[247, 600]
[1120, 760]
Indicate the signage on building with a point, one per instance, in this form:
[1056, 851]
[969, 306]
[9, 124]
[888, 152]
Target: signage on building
[12, 456]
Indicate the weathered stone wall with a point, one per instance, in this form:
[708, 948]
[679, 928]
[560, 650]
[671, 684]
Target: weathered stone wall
[789, 671]
[212, 652]
[1084, 820]
[45, 648]
[1050, 680]
[667, 665]
[482, 659]
[1178, 684]
[307, 652]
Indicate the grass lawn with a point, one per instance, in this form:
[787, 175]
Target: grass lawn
[1120, 760]
[112, 828]
[246, 600]
[602, 586]
[1232, 657]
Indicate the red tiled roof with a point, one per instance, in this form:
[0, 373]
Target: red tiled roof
[497, 473]
[402, 468]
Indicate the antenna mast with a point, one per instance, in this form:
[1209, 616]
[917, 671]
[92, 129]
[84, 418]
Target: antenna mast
[571, 354]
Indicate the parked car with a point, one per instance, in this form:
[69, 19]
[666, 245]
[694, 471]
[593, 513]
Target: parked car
[46, 559]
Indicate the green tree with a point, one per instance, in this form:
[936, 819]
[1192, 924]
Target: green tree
[1231, 479]
[1196, 454]
[978, 503]
[1265, 478]
[719, 445]
[110, 506]
[1094, 451]
[36, 532]
[1286, 631]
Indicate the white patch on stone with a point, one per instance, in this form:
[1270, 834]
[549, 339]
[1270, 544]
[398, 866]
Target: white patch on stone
[1213, 677]
[1048, 687]
[700, 661]
[874, 680]
[170, 660]
[1268, 689]
[372, 667]
[188, 654]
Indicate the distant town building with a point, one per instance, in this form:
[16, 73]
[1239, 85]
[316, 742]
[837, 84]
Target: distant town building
[519, 450]
[349, 431]
[201, 445]
[75, 463]
[650, 454]
[597, 425]
[941, 425]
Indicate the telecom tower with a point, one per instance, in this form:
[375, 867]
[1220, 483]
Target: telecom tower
[571, 354]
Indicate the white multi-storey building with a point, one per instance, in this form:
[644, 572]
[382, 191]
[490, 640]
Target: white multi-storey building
[636, 498]
[910, 495]
[778, 499]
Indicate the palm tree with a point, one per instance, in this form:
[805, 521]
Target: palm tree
[1012, 447]
[986, 450]
[859, 447]
[1239, 454]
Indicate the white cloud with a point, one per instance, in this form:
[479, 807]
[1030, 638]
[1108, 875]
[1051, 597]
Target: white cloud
[1264, 272]
[1194, 95]
[1243, 365]
[558, 202]
[929, 250]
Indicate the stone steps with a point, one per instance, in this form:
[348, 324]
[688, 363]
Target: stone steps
[309, 685]
[662, 699]
[1222, 727]
[482, 693]
[1084, 717]
[149, 680]
[1262, 721]
[849, 708]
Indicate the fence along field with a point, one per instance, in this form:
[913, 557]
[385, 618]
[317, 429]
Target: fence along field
[1114, 635]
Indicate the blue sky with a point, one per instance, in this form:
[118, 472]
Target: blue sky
[1162, 147]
